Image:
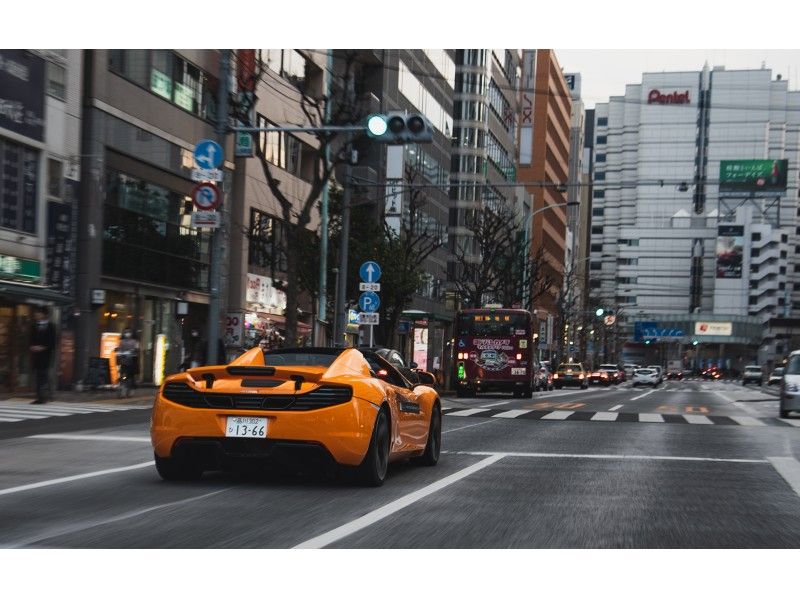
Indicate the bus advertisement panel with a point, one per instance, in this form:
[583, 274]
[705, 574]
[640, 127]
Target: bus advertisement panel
[494, 351]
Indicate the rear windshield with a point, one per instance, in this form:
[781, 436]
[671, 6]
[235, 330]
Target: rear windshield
[283, 357]
[576, 367]
[644, 372]
[793, 367]
[779, 371]
[753, 368]
[492, 324]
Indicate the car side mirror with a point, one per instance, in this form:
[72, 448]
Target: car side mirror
[382, 374]
[413, 365]
[426, 378]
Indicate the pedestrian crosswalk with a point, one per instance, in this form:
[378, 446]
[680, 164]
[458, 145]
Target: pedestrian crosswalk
[16, 411]
[616, 416]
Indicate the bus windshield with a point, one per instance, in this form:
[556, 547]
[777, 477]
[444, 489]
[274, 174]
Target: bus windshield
[491, 324]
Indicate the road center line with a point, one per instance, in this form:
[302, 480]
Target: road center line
[401, 503]
[643, 395]
[488, 421]
[615, 407]
[76, 528]
[621, 457]
[73, 478]
[789, 469]
[496, 404]
[89, 437]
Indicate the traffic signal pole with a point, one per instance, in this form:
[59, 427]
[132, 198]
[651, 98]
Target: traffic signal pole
[344, 250]
[218, 249]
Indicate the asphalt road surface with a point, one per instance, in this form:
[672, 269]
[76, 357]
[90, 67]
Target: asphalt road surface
[685, 465]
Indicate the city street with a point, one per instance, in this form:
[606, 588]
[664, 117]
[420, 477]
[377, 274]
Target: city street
[690, 464]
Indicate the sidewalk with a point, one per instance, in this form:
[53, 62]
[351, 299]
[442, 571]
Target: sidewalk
[142, 395]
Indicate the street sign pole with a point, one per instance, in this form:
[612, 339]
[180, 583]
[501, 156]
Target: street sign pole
[218, 241]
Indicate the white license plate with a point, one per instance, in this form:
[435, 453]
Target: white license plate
[517, 371]
[246, 427]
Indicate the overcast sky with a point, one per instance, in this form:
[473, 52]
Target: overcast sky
[605, 73]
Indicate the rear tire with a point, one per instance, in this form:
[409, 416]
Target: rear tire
[176, 470]
[433, 447]
[372, 471]
[784, 414]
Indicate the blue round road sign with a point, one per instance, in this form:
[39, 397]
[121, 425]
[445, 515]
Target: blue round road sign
[369, 302]
[208, 154]
[370, 272]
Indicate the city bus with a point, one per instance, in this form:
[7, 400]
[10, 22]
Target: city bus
[494, 351]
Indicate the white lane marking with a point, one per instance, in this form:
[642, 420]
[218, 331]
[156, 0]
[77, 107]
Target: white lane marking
[73, 478]
[558, 415]
[72, 529]
[651, 418]
[615, 407]
[31, 413]
[789, 469]
[582, 456]
[697, 419]
[62, 408]
[488, 421]
[90, 437]
[643, 395]
[467, 412]
[746, 421]
[512, 413]
[396, 505]
[496, 404]
[605, 416]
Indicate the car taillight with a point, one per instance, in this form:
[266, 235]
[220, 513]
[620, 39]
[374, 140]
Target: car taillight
[519, 356]
[580, 376]
[555, 376]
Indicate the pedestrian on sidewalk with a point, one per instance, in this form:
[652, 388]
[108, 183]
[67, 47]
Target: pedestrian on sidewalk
[43, 342]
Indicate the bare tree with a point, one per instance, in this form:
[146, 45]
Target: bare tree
[342, 107]
[485, 258]
[405, 252]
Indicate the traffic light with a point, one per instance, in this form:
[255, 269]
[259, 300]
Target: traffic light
[399, 127]
[694, 343]
[600, 311]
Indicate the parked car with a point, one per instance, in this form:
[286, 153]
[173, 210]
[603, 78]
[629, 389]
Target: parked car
[790, 387]
[775, 377]
[752, 374]
[570, 374]
[645, 376]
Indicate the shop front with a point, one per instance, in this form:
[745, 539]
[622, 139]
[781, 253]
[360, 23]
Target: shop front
[264, 318]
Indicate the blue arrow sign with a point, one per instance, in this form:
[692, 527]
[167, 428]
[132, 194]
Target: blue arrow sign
[370, 272]
[369, 301]
[208, 154]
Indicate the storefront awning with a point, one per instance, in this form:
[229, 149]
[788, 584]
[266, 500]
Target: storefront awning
[23, 291]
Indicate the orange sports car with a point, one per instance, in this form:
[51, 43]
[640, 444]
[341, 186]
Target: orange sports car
[336, 408]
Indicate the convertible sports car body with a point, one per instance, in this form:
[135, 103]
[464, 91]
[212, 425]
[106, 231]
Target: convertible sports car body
[336, 408]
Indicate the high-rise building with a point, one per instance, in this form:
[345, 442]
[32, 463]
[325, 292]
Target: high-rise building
[544, 151]
[140, 262]
[671, 246]
[484, 141]
[40, 148]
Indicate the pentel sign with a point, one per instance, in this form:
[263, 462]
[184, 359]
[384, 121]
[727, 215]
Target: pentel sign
[656, 97]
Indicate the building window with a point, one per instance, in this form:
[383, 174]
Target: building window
[18, 172]
[626, 300]
[594, 284]
[628, 261]
[147, 235]
[286, 151]
[595, 266]
[267, 242]
[596, 247]
[782, 270]
[597, 230]
[796, 286]
[55, 169]
[598, 193]
[599, 176]
[755, 236]
[755, 252]
[598, 211]
[784, 238]
[169, 76]
[56, 81]
[752, 300]
[783, 255]
[600, 158]
[602, 139]
[797, 249]
[602, 121]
